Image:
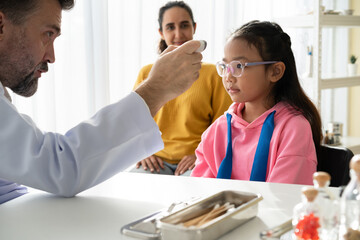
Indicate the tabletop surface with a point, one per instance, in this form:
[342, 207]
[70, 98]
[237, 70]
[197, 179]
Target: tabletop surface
[100, 212]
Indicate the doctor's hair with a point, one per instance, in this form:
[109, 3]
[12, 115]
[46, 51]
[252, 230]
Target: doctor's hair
[17, 11]
[163, 9]
[273, 44]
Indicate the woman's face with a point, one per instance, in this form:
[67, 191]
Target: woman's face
[177, 26]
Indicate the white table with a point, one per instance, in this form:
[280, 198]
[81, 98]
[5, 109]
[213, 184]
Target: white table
[100, 212]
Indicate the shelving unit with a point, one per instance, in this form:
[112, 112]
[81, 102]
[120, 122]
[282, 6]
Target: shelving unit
[314, 85]
[324, 21]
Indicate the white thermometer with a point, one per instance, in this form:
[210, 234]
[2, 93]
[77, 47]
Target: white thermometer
[202, 46]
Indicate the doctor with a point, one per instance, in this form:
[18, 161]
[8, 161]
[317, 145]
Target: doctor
[116, 137]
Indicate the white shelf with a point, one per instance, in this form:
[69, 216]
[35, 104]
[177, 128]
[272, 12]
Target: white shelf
[308, 21]
[352, 143]
[329, 83]
[340, 21]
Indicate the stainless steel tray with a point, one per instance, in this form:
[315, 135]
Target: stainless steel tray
[283, 231]
[246, 207]
[146, 227]
[165, 225]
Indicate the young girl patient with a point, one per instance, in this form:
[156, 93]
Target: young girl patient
[272, 130]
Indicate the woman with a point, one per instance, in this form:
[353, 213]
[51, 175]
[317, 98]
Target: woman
[183, 120]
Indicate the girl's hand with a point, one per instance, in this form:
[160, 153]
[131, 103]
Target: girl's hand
[186, 163]
[153, 163]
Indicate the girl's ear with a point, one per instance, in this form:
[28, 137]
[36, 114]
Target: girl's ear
[276, 71]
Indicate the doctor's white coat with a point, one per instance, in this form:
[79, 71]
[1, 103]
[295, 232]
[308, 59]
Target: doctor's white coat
[114, 138]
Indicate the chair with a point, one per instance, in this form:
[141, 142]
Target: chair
[335, 161]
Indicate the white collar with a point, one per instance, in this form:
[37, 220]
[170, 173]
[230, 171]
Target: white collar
[2, 91]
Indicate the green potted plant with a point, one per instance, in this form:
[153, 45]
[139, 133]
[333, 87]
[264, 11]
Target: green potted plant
[352, 66]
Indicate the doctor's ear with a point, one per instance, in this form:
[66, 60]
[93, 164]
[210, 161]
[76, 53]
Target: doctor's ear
[276, 71]
[2, 20]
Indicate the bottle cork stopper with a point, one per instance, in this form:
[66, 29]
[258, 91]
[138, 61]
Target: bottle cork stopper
[355, 163]
[352, 234]
[322, 178]
[310, 193]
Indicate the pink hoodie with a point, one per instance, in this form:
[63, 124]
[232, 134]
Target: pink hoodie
[292, 155]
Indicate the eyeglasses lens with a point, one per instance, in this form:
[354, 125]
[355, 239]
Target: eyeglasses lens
[235, 68]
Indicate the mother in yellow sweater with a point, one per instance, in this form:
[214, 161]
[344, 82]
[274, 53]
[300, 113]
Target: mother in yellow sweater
[183, 120]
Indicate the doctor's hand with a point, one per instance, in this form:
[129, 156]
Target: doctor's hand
[173, 73]
[186, 163]
[153, 163]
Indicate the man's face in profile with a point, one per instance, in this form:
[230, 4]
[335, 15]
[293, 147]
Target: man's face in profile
[27, 48]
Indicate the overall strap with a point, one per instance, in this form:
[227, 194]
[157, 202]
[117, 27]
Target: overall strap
[226, 164]
[258, 171]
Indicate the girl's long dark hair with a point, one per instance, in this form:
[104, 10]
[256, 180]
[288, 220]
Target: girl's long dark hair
[163, 9]
[274, 44]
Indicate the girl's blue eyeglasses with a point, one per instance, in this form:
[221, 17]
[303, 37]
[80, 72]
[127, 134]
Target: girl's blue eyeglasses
[236, 68]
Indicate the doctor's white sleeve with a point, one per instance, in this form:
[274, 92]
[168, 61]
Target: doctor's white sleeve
[113, 139]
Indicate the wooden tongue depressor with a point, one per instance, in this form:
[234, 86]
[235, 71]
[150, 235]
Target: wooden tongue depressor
[204, 218]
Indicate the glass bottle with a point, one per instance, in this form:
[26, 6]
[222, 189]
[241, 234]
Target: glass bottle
[350, 200]
[306, 220]
[326, 138]
[328, 205]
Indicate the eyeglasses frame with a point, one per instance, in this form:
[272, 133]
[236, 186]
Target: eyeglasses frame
[247, 64]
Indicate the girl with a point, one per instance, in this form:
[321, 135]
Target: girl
[272, 130]
[183, 120]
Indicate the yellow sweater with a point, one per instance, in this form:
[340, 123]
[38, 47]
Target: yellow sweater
[183, 119]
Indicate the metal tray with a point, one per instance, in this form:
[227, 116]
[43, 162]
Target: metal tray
[283, 231]
[246, 207]
[146, 227]
[166, 225]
